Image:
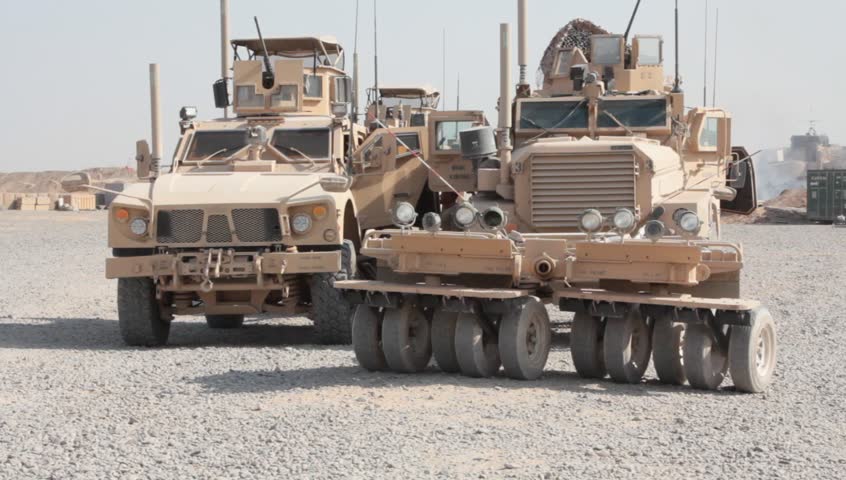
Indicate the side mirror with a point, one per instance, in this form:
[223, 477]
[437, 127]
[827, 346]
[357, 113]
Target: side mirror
[76, 182]
[143, 159]
[221, 94]
[336, 183]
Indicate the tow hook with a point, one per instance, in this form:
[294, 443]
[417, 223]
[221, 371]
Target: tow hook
[215, 256]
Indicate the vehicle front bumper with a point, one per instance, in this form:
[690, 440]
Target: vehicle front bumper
[225, 269]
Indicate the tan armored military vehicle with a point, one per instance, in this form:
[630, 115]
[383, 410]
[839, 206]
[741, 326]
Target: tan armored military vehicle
[608, 206]
[397, 106]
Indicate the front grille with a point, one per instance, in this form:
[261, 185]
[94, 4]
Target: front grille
[217, 230]
[179, 226]
[257, 224]
[565, 186]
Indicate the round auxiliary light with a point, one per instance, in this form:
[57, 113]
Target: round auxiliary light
[493, 218]
[624, 220]
[404, 215]
[301, 223]
[590, 221]
[138, 226]
[432, 222]
[465, 215]
[688, 221]
[654, 230]
[122, 215]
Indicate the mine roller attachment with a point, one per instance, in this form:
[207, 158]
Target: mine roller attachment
[700, 341]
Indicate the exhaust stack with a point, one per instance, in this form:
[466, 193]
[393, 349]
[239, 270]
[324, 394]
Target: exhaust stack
[505, 189]
[156, 118]
[522, 42]
[225, 59]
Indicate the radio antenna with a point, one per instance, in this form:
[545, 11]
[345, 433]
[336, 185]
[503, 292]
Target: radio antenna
[376, 58]
[443, 68]
[716, 44]
[677, 82]
[705, 64]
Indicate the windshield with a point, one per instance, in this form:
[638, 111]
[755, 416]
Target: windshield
[633, 113]
[211, 145]
[314, 143]
[554, 115]
[448, 134]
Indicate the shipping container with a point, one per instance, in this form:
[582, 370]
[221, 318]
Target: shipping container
[826, 194]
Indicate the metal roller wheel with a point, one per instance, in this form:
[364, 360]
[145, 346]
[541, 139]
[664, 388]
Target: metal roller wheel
[752, 353]
[406, 339]
[705, 361]
[443, 340]
[586, 346]
[667, 348]
[476, 350]
[627, 346]
[524, 340]
[367, 338]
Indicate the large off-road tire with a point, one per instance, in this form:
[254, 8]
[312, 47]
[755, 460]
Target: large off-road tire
[406, 339]
[627, 346]
[586, 346]
[225, 322]
[332, 312]
[705, 362]
[752, 353]
[367, 338]
[476, 350]
[524, 340]
[667, 347]
[139, 314]
[443, 340]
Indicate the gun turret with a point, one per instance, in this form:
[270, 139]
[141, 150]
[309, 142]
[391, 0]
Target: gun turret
[267, 78]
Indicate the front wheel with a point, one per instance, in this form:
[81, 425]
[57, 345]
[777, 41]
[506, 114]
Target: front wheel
[332, 311]
[139, 313]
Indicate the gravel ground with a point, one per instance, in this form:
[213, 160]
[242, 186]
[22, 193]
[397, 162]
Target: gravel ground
[261, 402]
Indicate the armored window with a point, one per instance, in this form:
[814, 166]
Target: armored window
[564, 58]
[606, 50]
[343, 89]
[285, 96]
[216, 145]
[299, 144]
[408, 142]
[633, 113]
[313, 86]
[246, 97]
[649, 51]
[553, 115]
[447, 134]
[710, 131]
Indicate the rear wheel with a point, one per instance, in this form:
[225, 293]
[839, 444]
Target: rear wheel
[476, 350]
[406, 339]
[139, 313]
[367, 338]
[752, 353]
[524, 340]
[586, 346]
[667, 347]
[627, 346]
[443, 340]
[705, 361]
[331, 310]
[224, 322]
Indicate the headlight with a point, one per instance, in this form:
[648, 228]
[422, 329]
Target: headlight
[301, 223]
[654, 230]
[138, 226]
[493, 218]
[465, 215]
[432, 222]
[590, 221]
[624, 220]
[404, 215]
[686, 220]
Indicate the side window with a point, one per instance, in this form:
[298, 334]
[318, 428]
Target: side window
[564, 58]
[710, 133]
[313, 86]
[372, 155]
[447, 134]
[408, 143]
[343, 87]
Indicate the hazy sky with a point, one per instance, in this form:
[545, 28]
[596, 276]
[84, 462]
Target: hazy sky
[75, 91]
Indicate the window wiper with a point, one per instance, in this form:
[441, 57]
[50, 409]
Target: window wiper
[618, 122]
[298, 152]
[547, 131]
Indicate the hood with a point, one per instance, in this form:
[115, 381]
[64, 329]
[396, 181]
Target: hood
[215, 188]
